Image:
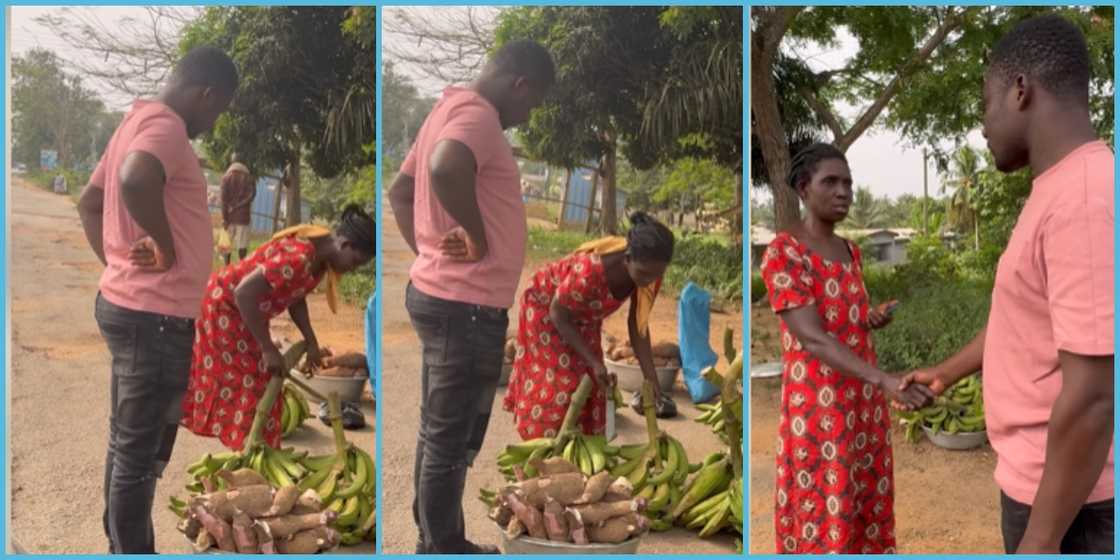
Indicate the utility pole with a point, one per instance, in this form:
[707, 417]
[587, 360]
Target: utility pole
[925, 192]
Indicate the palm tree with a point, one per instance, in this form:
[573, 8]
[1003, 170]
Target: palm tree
[867, 212]
[963, 179]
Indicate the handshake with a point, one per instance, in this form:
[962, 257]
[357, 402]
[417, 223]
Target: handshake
[913, 391]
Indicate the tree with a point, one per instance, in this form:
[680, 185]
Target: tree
[613, 64]
[962, 181]
[133, 56]
[52, 109]
[299, 66]
[866, 212]
[918, 65]
[693, 185]
[446, 44]
[403, 113]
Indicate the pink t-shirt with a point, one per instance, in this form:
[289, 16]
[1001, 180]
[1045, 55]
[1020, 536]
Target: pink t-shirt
[155, 129]
[465, 116]
[1053, 292]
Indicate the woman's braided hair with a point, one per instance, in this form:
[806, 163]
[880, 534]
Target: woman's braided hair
[358, 227]
[804, 164]
[648, 239]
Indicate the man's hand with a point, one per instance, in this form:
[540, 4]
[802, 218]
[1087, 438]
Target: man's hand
[925, 378]
[912, 397]
[458, 246]
[146, 255]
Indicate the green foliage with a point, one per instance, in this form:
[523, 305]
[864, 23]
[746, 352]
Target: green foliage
[758, 287]
[932, 323]
[356, 287]
[867, 211]
[52, 109]
[300, 73]
[616, 64]
[327, 197]
[711, 263]
[403, 113]
[692, 182]
[75, 180]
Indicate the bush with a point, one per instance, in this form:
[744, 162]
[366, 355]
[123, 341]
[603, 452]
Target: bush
[932, 323]
[758, 287]
[357, 286]
[75, 180]
[712, 264]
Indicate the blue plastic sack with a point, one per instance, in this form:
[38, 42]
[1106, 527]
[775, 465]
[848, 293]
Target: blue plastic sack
[693, 326]
[371, 338]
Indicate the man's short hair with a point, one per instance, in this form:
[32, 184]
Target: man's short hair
[528, 59]
[1049, 49]
[206, 67]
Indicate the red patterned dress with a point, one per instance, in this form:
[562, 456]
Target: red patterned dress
[227, 371]
[547, 371]
[835, 487]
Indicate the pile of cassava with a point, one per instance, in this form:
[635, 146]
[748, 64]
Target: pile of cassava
[252, 517]
[564, 505]
[349, 364]
[665, 354]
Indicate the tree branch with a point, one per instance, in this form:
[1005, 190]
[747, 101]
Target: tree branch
[822, 110]
[951, 22]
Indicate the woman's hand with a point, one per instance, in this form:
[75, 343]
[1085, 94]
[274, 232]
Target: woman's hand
[274, 362]
[925, 378]
[604, 377]
[879, 317]
[315, 356]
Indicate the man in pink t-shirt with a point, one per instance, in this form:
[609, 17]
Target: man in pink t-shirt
[457, 201]
[146, 218]
[1047, 350]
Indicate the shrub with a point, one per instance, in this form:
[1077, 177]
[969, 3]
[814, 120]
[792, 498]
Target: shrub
[758, 287]
[932, 323]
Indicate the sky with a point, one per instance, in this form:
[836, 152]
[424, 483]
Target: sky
[26, 34]
[880, 159]
[427, 86]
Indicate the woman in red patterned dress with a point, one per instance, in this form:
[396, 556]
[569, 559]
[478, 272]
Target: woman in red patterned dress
[559, 335]
[835, 487]
[234, 356]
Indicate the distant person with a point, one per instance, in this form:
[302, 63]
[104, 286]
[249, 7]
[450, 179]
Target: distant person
[238, 193]
[148, 196]
[835, 473]
[60, 186]
[1047, 350]
[560, 331]
[457, 201]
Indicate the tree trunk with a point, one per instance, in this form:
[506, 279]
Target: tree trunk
[591, 199]
[295, 215]
[772, 24]
[610, 212]
[280, 187]
[564, 198]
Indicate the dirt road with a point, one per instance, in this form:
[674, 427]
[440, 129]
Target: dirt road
[59, 386]
[401, 355]
[945, 501]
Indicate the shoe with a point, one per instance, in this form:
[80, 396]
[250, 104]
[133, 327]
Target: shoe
[663, 408]
[352, 417]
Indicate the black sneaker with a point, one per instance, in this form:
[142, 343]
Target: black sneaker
[663, 408]
[352, 417]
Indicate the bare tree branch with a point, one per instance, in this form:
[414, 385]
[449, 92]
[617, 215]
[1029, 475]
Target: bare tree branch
[445, 44]
[132, 56]
[822, 110]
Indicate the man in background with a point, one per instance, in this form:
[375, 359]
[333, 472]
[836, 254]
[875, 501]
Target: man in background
[238, 192]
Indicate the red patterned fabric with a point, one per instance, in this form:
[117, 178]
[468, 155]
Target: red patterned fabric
[228, 377]
[835, 487]
[547, 371]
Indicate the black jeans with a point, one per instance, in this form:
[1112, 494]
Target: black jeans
[1090, 533]
[462, 347]
[151, 364]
